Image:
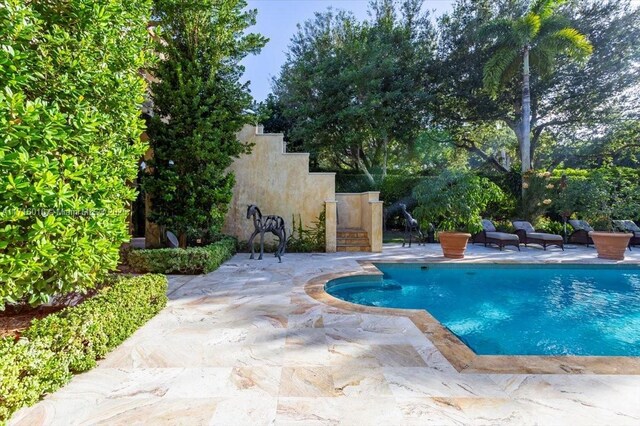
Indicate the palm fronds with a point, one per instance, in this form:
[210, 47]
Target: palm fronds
[495, 69]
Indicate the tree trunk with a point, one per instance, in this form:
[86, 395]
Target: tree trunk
[182, 240]
[364, 169]
[384, 160]
[525, 139]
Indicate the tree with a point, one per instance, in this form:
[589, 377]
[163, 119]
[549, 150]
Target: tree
[539, 37]
[356, 92]
[198, 105]
[70, 124]
[575, 103]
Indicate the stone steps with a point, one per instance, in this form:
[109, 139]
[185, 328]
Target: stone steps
[352, 240]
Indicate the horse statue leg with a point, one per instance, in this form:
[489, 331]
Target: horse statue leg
[284, 241]
[261, 244]
[278, 233]
[251, 238]
[404, 237]
[420, 235]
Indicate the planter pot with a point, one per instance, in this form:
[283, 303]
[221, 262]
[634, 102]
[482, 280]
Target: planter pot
[610, 245]
[454, 244]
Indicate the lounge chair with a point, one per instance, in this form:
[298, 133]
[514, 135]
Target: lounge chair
[528, 235]
[489, 235]
[631, 227]
[580, 234]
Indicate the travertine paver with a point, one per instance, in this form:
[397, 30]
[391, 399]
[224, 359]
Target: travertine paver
[247, 345]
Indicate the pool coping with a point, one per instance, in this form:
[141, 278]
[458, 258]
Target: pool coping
[461, 357]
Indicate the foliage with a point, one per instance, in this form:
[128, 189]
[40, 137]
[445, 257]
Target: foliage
[69, 119]
[582, 196]
[600, 195]
[347, 182]
[308, 240]
[537, 38]
[455, 200]
[544, 224]
[396, 188]
[570, 107]
[71, 341]
[198, 104]
[355, 92]
[538, 195]
[189, 261]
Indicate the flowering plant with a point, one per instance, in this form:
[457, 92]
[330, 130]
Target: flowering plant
[537, 194]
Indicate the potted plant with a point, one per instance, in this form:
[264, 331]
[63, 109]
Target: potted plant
[455, 201]
[610, 244]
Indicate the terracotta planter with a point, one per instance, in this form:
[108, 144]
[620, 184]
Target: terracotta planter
[610, 245]
[453, 244]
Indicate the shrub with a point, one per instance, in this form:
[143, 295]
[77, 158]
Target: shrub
[538, 195]
[70, 341]
[547, 225]
[396, 188]
[599, 195]
[190, 261]
[455, 200]
[307, 240]
[69, 119]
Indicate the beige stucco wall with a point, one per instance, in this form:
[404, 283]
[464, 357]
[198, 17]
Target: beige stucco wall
[363, 211]
[280, 184]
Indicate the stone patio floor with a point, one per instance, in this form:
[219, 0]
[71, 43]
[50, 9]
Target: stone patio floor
[247, 345]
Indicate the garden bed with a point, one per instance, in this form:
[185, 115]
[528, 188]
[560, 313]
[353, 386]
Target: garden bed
[189, 261]
[53, 348]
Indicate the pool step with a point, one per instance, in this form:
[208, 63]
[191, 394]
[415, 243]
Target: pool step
[352, 239]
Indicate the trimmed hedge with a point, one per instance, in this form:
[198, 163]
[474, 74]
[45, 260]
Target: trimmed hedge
[189, 261]
[70, 100]
[70, 341]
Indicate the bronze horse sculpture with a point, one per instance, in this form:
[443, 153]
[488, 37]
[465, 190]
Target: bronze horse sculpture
[410, 225]
[271, 223]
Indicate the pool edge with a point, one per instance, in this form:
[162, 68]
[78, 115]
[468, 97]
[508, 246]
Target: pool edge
[461, 357]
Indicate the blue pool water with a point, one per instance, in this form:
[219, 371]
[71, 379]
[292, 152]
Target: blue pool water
[580, 310]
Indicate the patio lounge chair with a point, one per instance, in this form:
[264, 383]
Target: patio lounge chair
[489, 235]
[628, 226]
[580, 234]
[528, 235]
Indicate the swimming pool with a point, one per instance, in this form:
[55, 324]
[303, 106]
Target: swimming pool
[582, 310]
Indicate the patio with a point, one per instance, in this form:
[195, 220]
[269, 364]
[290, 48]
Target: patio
[246, 345]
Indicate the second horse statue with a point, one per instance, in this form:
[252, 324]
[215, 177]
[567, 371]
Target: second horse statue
[410, 225]
[273, 224]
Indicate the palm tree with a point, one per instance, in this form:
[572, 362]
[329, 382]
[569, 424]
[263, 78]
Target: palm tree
[535, 39]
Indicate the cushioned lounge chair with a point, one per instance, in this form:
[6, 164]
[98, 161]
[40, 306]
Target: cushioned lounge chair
[528, 235]
[489, 235]
[580, 234]
[631, 227]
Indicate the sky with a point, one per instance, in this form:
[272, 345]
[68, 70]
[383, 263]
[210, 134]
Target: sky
[277, 20]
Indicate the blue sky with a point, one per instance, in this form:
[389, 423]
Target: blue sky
[277, 20]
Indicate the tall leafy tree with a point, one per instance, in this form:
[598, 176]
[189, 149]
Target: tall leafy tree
[355, 92]
[198, 104]
[576, 102]
[537, 38]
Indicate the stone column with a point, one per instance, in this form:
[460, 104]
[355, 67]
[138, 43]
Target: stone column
[331, 225]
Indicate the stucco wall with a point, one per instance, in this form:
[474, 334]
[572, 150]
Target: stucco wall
[278, 183]
[362, 211]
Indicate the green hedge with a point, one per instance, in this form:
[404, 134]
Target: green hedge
[70, 100]
[70, 341]
[190, 261]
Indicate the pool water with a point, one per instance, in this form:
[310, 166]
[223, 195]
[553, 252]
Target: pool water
[583, 310]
